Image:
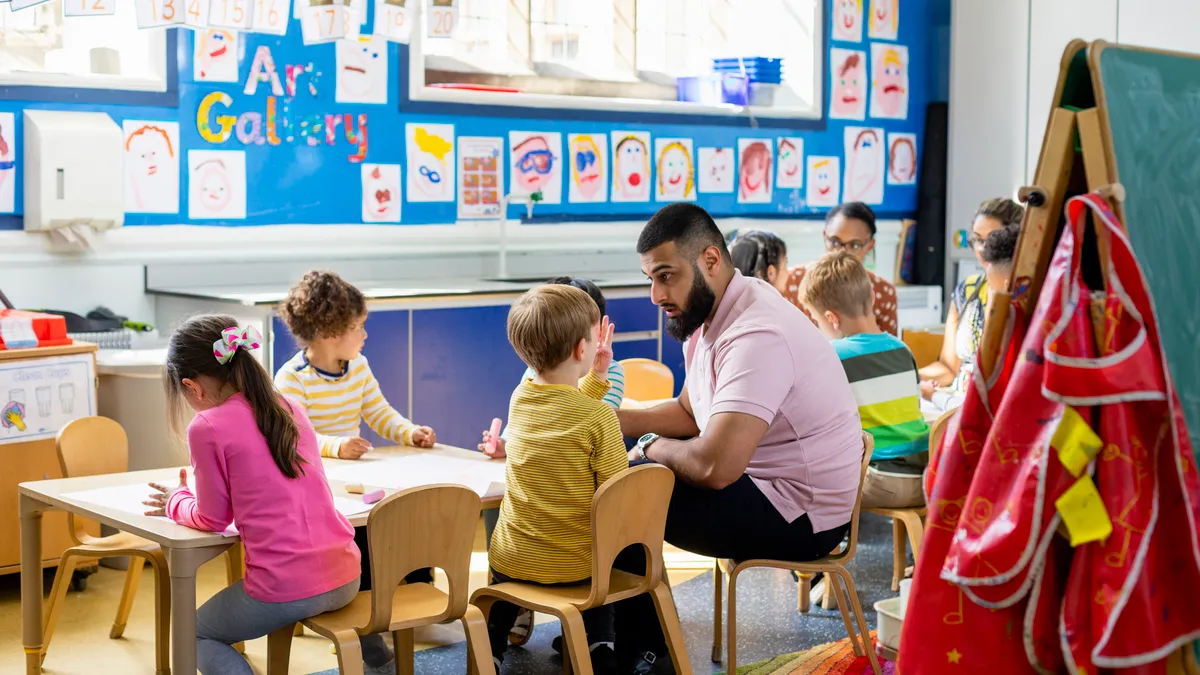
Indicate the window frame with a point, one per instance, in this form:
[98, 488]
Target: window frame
[415, 97]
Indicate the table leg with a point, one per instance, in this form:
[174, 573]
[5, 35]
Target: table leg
[183, 563]
[31, 582]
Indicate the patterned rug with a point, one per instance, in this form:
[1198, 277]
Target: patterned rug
[834, 658]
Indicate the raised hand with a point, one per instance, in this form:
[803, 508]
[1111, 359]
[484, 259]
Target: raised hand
[604, 354]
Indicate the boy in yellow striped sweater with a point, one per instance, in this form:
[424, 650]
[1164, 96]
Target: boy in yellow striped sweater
[565, 444]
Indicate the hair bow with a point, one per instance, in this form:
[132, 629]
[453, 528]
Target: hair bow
[234, 338]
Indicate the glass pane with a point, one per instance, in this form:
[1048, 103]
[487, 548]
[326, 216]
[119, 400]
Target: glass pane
[480, 37]
[40, 40]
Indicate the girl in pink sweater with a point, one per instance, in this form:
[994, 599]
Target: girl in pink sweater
[256, 463]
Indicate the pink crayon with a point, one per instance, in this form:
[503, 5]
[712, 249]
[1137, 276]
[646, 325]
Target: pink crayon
[372, 497]
[493, 435]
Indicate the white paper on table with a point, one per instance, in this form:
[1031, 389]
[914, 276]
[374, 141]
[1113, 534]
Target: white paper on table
[350, 507]
[128, 499]
[400, 473]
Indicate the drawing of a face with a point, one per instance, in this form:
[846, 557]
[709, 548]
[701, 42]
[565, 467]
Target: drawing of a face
[823, 177]
[382, 202]
[883, 18]
[863, 165]
[149, 148]
[359, 66]
[754, 173]
[849, 87]
[902, 160]
[847, 20]
[675, 172]
[585, 166]
[215, 190]
[890, 83]
[719, 170]
[633, 167]
[533, 164]
[789, 162]
[7, 165]
[432, 175]
[216, 48]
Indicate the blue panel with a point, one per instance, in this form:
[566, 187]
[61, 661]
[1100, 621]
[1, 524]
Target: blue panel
[464, 371]
[637, 349]
[283, 345]
[672, 356]
[633, 315]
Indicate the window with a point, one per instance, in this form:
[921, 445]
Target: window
[39, 47]
[629, 53]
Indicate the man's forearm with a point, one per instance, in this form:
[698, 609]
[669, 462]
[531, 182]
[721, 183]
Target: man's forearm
[668, 419]
[685, 458]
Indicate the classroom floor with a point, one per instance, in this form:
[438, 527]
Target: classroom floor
[768, 623]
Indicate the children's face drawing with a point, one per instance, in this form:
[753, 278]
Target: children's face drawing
[215, 190]
[359, 65]
[382, 202]
[890, 83]
[754, 169]
[863, 165]
[633, 167]
[674, 169]
[822, 178]
[883, 16]
[903, 164]
[431, 175]
[789, 161]
[849, 87]
[585, 167]
[847, 19]
[148, 151]
[719, 169]
[216, 49]
[533, 165]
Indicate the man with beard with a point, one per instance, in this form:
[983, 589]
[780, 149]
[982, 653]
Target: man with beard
[769, 440]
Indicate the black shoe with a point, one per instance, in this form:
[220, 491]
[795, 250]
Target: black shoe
[556, 644]
[604, 661]
[649, 664]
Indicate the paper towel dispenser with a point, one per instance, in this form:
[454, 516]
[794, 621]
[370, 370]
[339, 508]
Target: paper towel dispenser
[73, 171]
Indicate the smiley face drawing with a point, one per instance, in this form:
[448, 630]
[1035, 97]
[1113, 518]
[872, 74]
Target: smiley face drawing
[631, 167]
[215, 189]
[884, 19]
[848, 92]
[847, 20]
[362, 70]
[889, 81]
[716, 169]
[824, 175]
[216, 56]
[216, 184]
[754, 171]
[902, 159]
[587, 159]
[676, 173]
[381, 193]
[790, 163]
[151, 168]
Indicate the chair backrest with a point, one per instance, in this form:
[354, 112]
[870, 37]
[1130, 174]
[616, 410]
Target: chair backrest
[847, 554]
[647, 380]
[937, 431]
[92, 446]
[430, 526]
[631, 508]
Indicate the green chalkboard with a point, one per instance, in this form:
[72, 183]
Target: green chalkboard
[1151, 101]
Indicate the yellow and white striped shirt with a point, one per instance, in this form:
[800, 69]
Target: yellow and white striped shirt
[337, 402]
[564, 443]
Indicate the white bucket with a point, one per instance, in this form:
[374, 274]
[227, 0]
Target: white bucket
[890, 619]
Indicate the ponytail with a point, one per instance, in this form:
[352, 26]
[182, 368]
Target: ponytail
[273, 417]
[755, 251]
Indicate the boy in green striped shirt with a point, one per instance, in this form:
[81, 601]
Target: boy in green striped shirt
[883, 375]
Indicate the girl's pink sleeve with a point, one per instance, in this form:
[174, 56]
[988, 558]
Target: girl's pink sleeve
[215, 512]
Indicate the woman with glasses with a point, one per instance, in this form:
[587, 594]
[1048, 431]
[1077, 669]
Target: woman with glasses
[968, 306]
[851, 227]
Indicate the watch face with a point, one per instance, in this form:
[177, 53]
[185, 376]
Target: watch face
[646, 439]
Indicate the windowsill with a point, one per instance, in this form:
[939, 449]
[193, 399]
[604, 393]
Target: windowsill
[71, 81]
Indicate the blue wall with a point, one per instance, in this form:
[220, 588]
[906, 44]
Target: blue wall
[293, 182]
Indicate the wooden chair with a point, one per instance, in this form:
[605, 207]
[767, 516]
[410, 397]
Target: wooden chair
[647, 380]
[426, 527]
[630, 509]
[833, 566]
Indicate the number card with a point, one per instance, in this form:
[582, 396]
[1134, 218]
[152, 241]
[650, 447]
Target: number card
[393, 21]
[195, 13]
[326, 23]
[89, 7]
[233, 14]
[157, 13]
[270, 16]
[443, 18]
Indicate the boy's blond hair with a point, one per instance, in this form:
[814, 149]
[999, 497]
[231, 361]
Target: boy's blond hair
[546, 323]
[839, 283]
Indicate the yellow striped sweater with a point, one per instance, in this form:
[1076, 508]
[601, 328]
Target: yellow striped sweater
[336, 402]
[564, 443]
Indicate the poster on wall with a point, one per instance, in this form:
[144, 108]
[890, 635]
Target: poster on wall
[39, 397]
[754, 171]
[715, 166]
[889, 81]
[216, 184]
[8, 163]
[824, 178]
[381, 193]
[215, 55]
[863, 180]
[902, 159]
[362, 70]
[480, 177]
[790, 163]
[631, 166]
[588, 158]
[430, 162]
[884, 19]
[151, 166]
[393, 20]
[675, 169]
[535, 159]
[848, 91]
[847, 20]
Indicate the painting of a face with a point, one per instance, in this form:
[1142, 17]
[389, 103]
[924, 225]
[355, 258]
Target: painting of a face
[631, 181]
[754, 172]
[381, 193]
[848, 95]
[430, 162]
[716, 169]
[791, 158]
[884, 18]
[362, 70]
[216, 56]
[588, 159]
[215, 190]
[864, 165]
[889, 82]
[151, 167]
[847, 20]
[824, 177]
[902, 159]
[676, 175]
[7, 163]
[533, 164]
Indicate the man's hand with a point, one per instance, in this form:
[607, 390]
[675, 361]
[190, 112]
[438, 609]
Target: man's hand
[161, 495]
[353, 448]
[604, 354]
[423, 437]
[499, 452]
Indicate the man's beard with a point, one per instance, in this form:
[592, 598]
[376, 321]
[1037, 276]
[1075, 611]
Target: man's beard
[700, 301]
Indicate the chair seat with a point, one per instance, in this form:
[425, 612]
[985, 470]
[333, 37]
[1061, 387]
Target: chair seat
[413, 605]
[119, 543]
[897, 513]
[553, 599]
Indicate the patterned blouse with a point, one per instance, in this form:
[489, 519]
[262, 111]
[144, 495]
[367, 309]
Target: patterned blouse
[885, 299]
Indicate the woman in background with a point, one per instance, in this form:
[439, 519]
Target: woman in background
[761, 255]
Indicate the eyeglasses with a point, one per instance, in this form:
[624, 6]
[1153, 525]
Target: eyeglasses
[536, 160]
[433, 176]
[854, 245]
[976, 241]
[584, 159]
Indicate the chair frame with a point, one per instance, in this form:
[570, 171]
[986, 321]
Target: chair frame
[633, 367]
[630, 509]
[837, 577]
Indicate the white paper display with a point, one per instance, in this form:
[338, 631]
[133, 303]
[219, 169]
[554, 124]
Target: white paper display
[889, 81]
[362, 70]
[399, 473]
[848, 84]
[442, 18]
[631, 166]
[824, 180]
[790, 164]
[902, 159]
[270, 16]
[89, 7]
[754, 170]
[326, 23]
[675, 170]
[864, 178]
[8, 162]
[430, 168]
[480, 176]
[716, 170]
[587, 156]
[151, 166]
[535, 159]
[39, 396]
[393, 20]
[215, 54]
[216, 184]
[381, 193]
[233, 14]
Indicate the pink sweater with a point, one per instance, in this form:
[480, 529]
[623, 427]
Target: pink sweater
[297, 544]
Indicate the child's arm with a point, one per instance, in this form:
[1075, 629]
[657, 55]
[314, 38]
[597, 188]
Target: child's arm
[608, 447]
[216, 512]
[594, 386]
[383, 418]
[288, 384]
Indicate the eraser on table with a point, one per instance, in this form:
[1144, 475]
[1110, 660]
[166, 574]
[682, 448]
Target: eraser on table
[372, 497]
[493, 435]
[355, 488]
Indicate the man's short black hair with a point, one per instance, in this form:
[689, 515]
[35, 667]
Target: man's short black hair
[688, 225]
[855, 211]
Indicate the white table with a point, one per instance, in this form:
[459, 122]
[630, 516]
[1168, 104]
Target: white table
[185, 549]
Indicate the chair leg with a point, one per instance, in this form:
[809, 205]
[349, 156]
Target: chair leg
[162, 613]
[58, 595]
[832, 583]
[279, 650]
[731, 624]
[804, 594]
[898, 551]
[864, 630]
[235, 570]
[668, 618]
[479, 651]
[299, 631]
[575, 643]
[718, 611]
[916, 532]
[349, 654]
[132, 577]
[403, 645]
